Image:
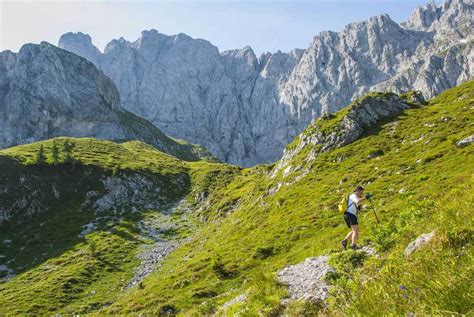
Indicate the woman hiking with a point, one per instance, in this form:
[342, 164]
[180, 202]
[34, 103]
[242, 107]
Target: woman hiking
[354, 202]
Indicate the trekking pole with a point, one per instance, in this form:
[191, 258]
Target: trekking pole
[373, 209]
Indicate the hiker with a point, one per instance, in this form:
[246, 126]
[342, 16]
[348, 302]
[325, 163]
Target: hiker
[350, 216]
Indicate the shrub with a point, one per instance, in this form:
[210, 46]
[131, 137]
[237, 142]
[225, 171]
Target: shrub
[220, 270]
[167, 310]
[92, 247]
[115, 170]
[263, 252]
[384, 235]
[348, 260]
[303, 308]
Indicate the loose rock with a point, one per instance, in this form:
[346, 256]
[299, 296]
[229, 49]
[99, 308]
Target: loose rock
[238, 299]
[418, 243]
[465, 142]
[307, 280]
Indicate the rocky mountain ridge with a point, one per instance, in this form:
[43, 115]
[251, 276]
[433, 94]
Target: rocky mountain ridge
[245, 109]
[47, 92]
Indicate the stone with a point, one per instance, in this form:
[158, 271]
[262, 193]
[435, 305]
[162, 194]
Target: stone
[375, 154]
[239, 299]
[467, 141]
[419, 243]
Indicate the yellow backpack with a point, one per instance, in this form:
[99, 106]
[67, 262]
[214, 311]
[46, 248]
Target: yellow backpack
[343, 204]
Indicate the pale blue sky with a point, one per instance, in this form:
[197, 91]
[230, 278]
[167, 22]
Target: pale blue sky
[265, 25]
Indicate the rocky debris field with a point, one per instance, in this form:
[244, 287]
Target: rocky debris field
[151, 256]
[308, 280]
[158, 230]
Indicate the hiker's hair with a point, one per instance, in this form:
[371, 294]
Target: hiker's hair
[359, 188]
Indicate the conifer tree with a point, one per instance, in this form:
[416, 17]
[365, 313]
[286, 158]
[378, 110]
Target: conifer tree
[54, 154]
[40, 157]
[67, 151]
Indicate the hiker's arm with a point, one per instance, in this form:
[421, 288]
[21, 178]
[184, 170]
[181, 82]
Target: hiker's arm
[359, 200]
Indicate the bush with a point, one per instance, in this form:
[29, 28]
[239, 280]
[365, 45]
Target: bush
[115, 170]
[92, 247]
[458, 238]
[347, 261]
[220, 270]
[303, 308]
[263, 252]
[167, 310]
[384, 236]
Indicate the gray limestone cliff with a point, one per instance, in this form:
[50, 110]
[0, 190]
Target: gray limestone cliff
[47, 92]
[246, 109]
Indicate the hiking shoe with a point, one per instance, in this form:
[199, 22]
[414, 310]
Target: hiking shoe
[344, 244]
[354, 247]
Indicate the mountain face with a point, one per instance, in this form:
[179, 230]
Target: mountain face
[185, 86]
[47, 92]
[246, 109]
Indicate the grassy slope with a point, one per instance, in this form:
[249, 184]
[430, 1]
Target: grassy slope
[250, 234]
[60, 271]
[261, 233]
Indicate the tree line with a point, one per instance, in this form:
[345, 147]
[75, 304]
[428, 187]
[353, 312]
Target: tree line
[56, 155]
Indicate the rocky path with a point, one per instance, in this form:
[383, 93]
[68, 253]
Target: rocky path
[151, 255]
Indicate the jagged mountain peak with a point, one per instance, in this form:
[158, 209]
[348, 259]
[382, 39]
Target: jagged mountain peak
[246, 109]
[456, 14]
[81, 44]
[76, 36]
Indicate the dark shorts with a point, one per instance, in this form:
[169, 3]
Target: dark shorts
[350, 219]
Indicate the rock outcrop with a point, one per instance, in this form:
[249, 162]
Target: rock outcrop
[310, 280]
[328, 133]
[47, 92]
[246, 109]
[307, 280]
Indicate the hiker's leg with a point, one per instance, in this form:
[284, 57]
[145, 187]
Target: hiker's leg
[355, 234]
[349, 236]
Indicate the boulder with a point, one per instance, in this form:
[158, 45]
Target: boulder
[419, 243]
[467, 141]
